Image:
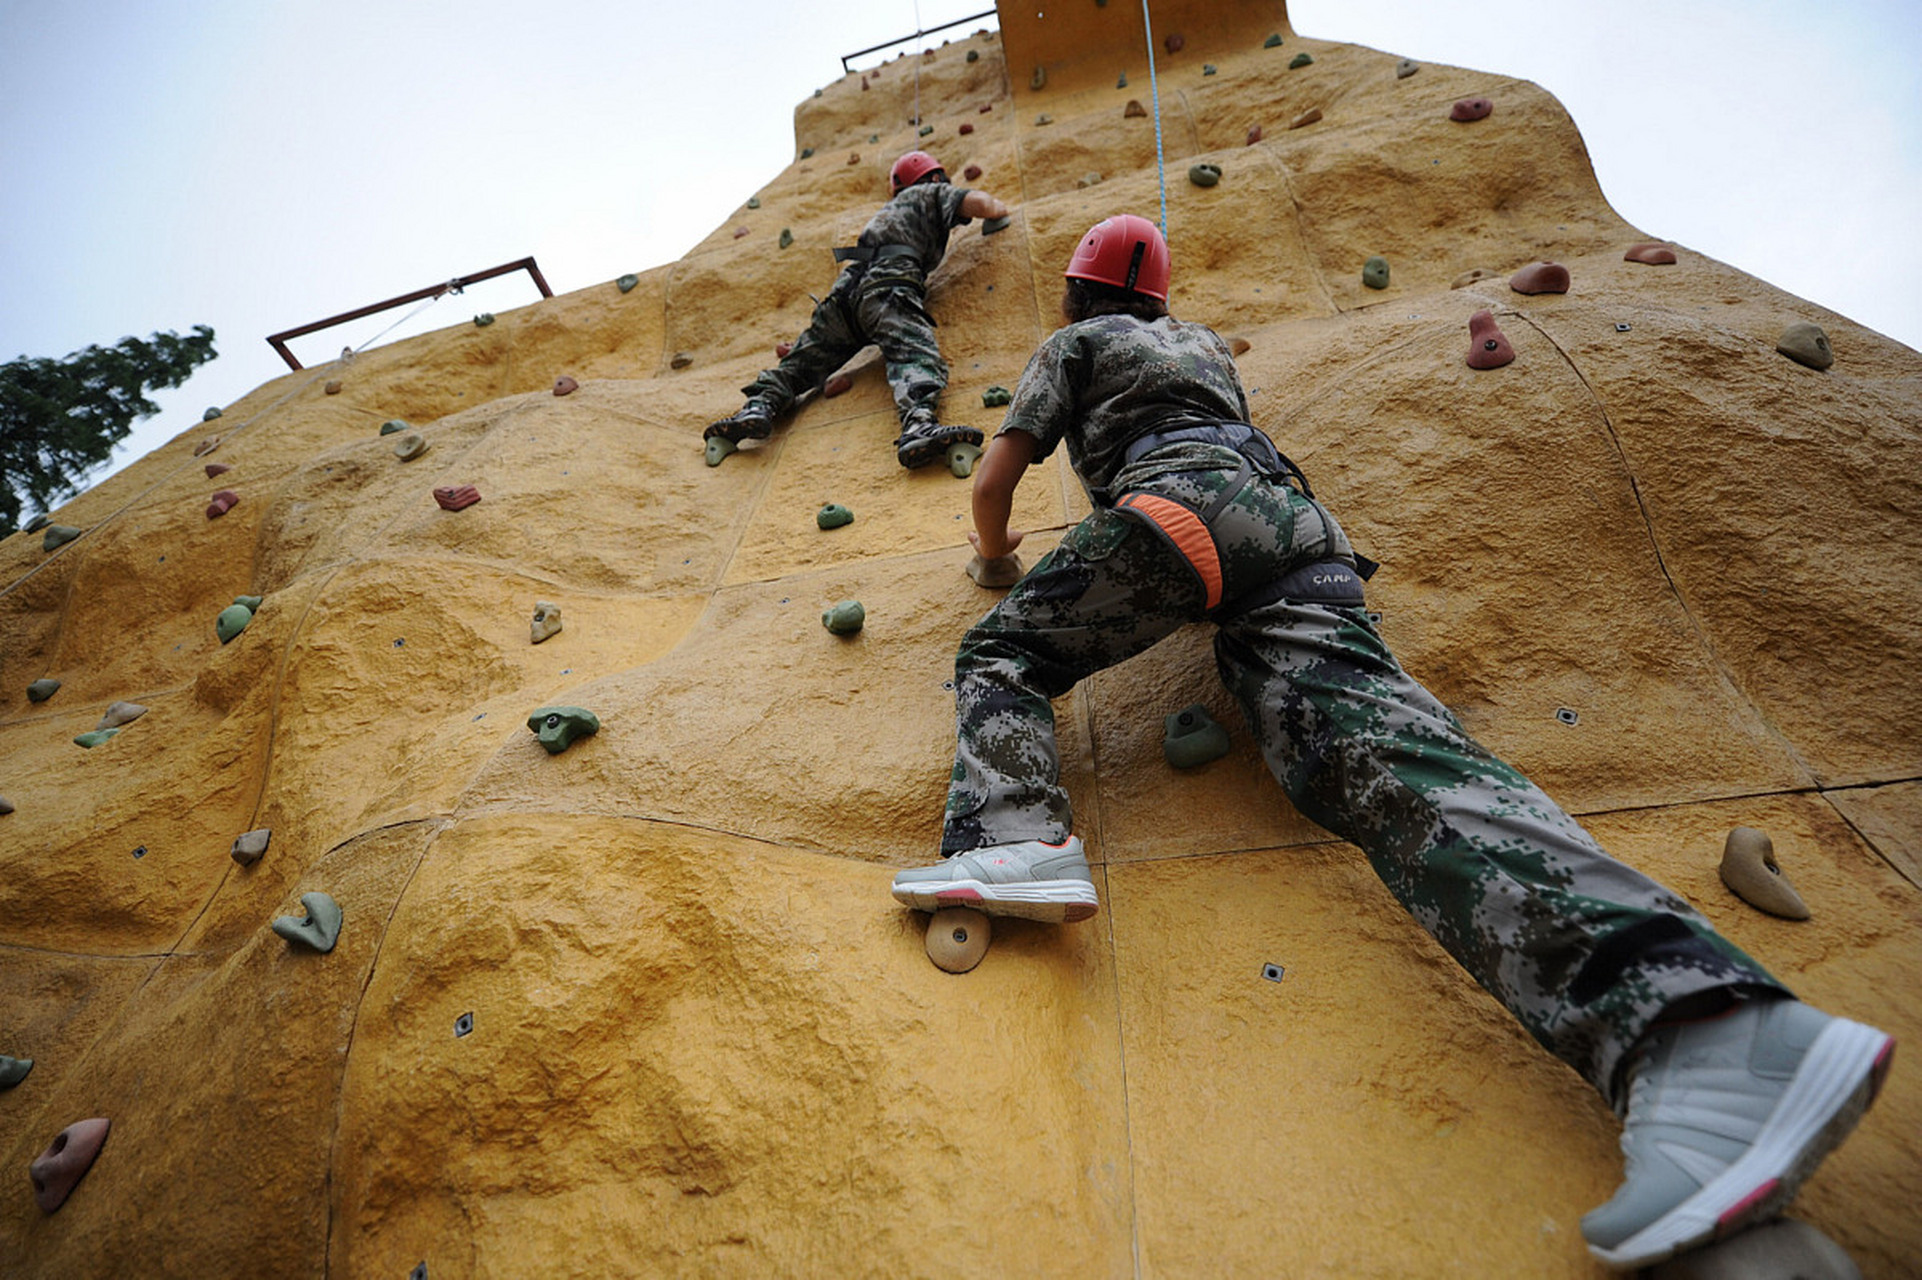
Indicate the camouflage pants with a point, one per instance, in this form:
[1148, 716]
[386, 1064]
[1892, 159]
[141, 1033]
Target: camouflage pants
[1584, 950]
[889, 312]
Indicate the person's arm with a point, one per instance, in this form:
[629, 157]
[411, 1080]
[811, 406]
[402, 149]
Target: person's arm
[995, 478]
[979, 204]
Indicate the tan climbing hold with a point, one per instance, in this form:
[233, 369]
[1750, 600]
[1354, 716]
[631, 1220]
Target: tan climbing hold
[1806, 344]
[1749, 870]
[1786, 1249]
[333, 387]
[1239, 346]
[958, 937]
[1001, 571]
[206, 446]
[1306, 118]
[1133, 109]
[1474, 275]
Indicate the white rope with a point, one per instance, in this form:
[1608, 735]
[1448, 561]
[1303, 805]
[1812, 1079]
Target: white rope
[916, 55]
[1154, 91]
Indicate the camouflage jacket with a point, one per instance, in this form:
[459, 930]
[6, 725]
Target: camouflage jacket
[919, 217]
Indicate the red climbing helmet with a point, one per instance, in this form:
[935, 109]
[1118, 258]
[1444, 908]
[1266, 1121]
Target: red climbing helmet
[1126, 251]
[911, 168]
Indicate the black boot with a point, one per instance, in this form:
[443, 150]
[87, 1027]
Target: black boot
[752, 421]
[923, 440]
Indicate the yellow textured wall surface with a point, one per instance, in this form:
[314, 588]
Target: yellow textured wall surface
[704, 1039]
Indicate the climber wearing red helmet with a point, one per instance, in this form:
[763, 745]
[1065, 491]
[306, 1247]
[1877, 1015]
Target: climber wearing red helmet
[880, 298]
[1199, 519]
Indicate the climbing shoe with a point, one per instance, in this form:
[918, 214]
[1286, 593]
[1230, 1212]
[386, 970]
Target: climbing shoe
[923, 442]
[1032, 879]
[1725, 1119]
[752, 421]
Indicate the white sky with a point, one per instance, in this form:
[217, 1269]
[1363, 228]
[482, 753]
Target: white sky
[259, 164]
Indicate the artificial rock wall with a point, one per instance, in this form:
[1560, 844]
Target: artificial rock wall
[702, 1040]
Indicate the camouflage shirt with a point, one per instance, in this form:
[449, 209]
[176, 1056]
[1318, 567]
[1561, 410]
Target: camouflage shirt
[1103, 383]
[920, 218]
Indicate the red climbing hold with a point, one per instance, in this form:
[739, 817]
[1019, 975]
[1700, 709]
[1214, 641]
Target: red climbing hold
[59, 1169]
[565, 385]
[1655, 254]
[1487, 346]
[1540, 277]
[967, 127]
[972, 172]
[216, 468]
[223, 502]
[1471, 109]
[836, 385]
[454, 497]
[1254, 135]
[739, 232]
[1174, 43]
[781, 349]
[985, 108]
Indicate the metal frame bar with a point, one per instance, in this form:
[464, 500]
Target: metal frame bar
[278, 341]
[889, 44]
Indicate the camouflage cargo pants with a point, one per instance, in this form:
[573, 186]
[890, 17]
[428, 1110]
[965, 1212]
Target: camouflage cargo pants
[890, 313]
[1584, 950]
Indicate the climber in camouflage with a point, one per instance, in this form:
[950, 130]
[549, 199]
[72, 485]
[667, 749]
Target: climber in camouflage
[1197, 517]
[880, 298]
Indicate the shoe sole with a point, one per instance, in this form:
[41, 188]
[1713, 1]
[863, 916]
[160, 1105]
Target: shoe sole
[1837, 1080]
[924, 450]
[1050, 901]
[734, 432]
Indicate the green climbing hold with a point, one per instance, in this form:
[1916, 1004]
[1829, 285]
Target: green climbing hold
[974, 55]
[1044, 118]
[627, 282]
[232, 621]
[996, 396]
[484, 319]
[410, 446]
[95, 737]
[36, 524]
[1299, 61]
[787, 237]
[13, 1070]
[833, 516]
[559, 728]
[320, 929]
[1204, 174]
[41, 690]
[845, 618]
[392, 425]
[1272, 42]
[1190, 738]
[210, 415]
[1207, 68]
[57, 535]
[926, 129]
[250, 603]
[1121, 81]
[874, 137]
[1374, 272]
[991, 225]
[961, 458]
[807, 152]
[754, 202]
[719, 447]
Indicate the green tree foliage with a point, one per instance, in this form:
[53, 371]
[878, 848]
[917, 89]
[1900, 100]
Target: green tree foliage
[61, 418]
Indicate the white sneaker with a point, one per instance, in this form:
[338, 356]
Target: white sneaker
[1032, 879]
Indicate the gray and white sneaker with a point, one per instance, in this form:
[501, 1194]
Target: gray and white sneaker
[1726, 1118]
[1032, 879]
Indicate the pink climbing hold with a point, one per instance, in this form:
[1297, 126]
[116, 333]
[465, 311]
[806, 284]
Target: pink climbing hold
[1654, 254]
[223, 502]
[1540, 277]
[217, 468]
[1254, 135]
[565, 385]
[966, 127]
[1174, 43]
[59, 1169]
[455, 497]
[985, 108]
[837, 385]
[1471, 109]
[1487, 346]
[781, 349]
[972, 172]
[739, 232]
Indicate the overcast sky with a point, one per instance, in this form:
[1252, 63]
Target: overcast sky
[258, 165]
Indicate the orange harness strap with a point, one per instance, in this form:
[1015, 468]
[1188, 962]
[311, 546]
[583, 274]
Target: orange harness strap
[1187, 532]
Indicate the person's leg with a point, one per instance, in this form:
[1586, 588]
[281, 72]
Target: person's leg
[821, 348]
[895, 318]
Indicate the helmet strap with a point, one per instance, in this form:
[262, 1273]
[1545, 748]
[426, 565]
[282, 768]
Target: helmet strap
[1134, 263]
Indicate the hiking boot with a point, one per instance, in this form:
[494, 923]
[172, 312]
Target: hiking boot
[752, 421]
[1032, 879]
[923, 440]
[1726, 1117]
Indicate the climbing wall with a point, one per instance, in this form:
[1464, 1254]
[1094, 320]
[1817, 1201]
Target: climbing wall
[645, 1007]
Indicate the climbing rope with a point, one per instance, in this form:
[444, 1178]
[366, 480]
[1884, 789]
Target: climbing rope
[917, 67]
[1154, 91]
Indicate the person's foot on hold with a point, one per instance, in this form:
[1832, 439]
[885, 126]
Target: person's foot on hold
[1726, 1117]
[923, 440]
[1031, 879]
[752, 421]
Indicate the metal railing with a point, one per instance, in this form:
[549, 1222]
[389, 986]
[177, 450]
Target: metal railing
[846, 58]
[278, 341]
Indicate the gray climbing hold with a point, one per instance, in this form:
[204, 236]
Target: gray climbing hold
[1750, 871]
[1191, 737]
[833, 516]
[251, 603]
[680, 360]
[559, 728]
[410, 446]
[845, 618]
[717, 448]
[394, 426]
[926, 129]
[627, 282]
[232, 621]
[1405, 68]
[36, 524]
[320, 929]
[974, 55]
[1272, 42]
[119, 713]
[1205, 174]
[1090, 179]
[94, 738]
[1039, 79]
[484, 319]
[996, 396]
[57, 535]
[249, 847]
[991, 225]
[41, 690]
[807, 153]
[211, 414]
[1785, 1249]
[961, 458]
[1001, 571]
[1044, 118]
[1207, 68]
[787, 237]
[1806, 344]
[754, 202]
[1121, 81]
[1299, 61]
[546, 622]
[6, 806]
[1374, 272]
[13, 1070]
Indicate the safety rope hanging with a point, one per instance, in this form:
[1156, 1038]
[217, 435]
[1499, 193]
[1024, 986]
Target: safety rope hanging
[917, 67]
[1154, 92]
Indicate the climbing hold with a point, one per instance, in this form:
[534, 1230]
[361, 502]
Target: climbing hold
[1405, 68]
[1088, 180]
[1778, 1250]
[991, 225]
[1254, 135]
[94, 738]
[1749, 870]
[1470, 109]
[119, 713]
[210, 415]
[6, 806]
[36, 524]
[1133, 109]
[13, 1070]
[547, 621]
[680, 360]
[1044, 118]
[1207, 68]
[958, 937]
[217, 469]
[974, 55]
[1121, 81]
[464, 1025]
[232, 621]
[1306, 118]
[332, 386]
[559, 728]
[961, 458]
[41, 690]
[627, 282]
[564, 385]
[1272, 42]
[1653, 254]
[206, 446]
[781, 350]
[845, 618]
[1039, 79]
[1239, 346]
[58, 1170]
[807, 152]
[839, 384]
[971, 173]
[1540, 277]
[223, 502]
[410, 446]
[484, 319]
[1299, 61]
[1801, 342]
[1487, 346]
[925, 130]
[456, 497]
[1174, 43]
[854, 157]
[1204, 174]
[1474, 275]
[754, 202]
[57, 535]
[1191, 737]
[394, 425]
[996, 396]
[718, 447]
[249, 847]
[1374, 272]
[319, 929]
[250, 603]
[833, 516]
[984, 108]
[966, 128]
[1001, 571]
[787, 237]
